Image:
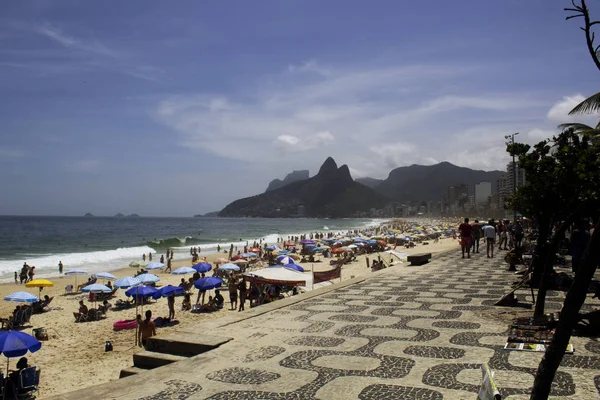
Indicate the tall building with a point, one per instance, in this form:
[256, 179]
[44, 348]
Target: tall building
[483, 190]
[505, 185]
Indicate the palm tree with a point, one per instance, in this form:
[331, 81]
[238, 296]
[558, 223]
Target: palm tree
[592, 103]
[592, 133]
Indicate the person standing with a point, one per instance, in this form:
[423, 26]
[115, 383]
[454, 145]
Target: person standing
[171, 303]
[233, 295]
[16, 277]
[490, 237]
[476, 236]
[465, 237]
[168, 265]
[243, 290]
[144, 257]
[150, 256]
[31, 274]
[60, 267]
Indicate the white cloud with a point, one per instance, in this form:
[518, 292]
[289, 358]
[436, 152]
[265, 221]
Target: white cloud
[561, 109]
[71, 42]
[310, 66]
[373, 119]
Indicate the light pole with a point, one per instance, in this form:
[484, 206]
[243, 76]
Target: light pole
[511, 139]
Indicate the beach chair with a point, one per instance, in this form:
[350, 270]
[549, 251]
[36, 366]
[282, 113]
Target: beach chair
[28, 381]
[69, 289]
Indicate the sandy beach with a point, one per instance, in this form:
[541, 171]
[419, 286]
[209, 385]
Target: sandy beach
[76, 350]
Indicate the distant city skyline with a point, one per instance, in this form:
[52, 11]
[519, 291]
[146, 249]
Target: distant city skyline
[141, 107]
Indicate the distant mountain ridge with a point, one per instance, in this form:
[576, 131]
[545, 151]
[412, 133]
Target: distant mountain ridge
[330, 193]
[430, 182]
[294, 176]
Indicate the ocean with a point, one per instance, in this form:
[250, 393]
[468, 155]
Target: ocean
[108, 243]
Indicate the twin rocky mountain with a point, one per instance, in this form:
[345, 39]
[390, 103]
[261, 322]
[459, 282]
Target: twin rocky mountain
[333, 193]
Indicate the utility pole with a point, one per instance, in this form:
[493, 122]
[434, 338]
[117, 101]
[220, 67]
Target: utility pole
[511, 140]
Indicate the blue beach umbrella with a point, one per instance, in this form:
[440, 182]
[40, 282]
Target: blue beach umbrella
[167, 291]
[202, 267]
[21, 297]
[106, 275]
[126, 282]
[249, 254]
[229, 267]
[285, 260]
[184, 271]
[295, 267]
[317, 249]
[283, 252]
[140, 291]
[271, 248]
[17, 344]
[148, 278]
[208, 283]
[97, 288]
[155, 265]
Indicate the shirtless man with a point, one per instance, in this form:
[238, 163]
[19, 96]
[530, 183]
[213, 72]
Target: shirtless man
[147, 329]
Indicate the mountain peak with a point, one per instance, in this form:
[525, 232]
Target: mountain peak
[328, 167]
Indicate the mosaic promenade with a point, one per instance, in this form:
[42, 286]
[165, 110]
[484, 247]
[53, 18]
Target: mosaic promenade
[401, 333]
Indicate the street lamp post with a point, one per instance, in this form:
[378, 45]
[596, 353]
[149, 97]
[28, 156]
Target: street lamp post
[514, 164]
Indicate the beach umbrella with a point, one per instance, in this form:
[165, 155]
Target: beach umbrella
[271, 248]
[140, 291]
[22, 297]
[288, 244]
[106, 275]
[96, 288]
[76, 272]
[39, 283]
[229, 267]
[127, 282]
[154, 265]
[307, 241]
[208, 283]
[250, 254]
[17, 344]
[281, 252]
[237, 257]
[295, 267]
[221, 260]
[241, 261]
[285, 260]
[202, 267]
[184, 271]
[317, 249]
[254, 250]
[167, 291]
[337, 250]
[148, 278]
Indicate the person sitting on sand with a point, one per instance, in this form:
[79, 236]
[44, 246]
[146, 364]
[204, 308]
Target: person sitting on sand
[219, 300]
[186, 305]
[210, 306]
[147, 329]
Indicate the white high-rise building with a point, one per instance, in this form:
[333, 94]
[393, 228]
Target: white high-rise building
[483, 190]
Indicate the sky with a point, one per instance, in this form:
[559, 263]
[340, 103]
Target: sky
[178, 108]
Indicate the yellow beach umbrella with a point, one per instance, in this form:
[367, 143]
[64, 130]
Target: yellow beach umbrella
[39, 283]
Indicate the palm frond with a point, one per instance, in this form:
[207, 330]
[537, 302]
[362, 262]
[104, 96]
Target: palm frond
[577, 127]
[588, 106]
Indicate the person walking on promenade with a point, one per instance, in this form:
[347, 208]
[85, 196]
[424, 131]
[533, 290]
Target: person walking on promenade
[465, 237]
[490, 237]
[503, 233]
[476, 236]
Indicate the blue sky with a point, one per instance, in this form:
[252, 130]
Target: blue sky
[176, 108]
